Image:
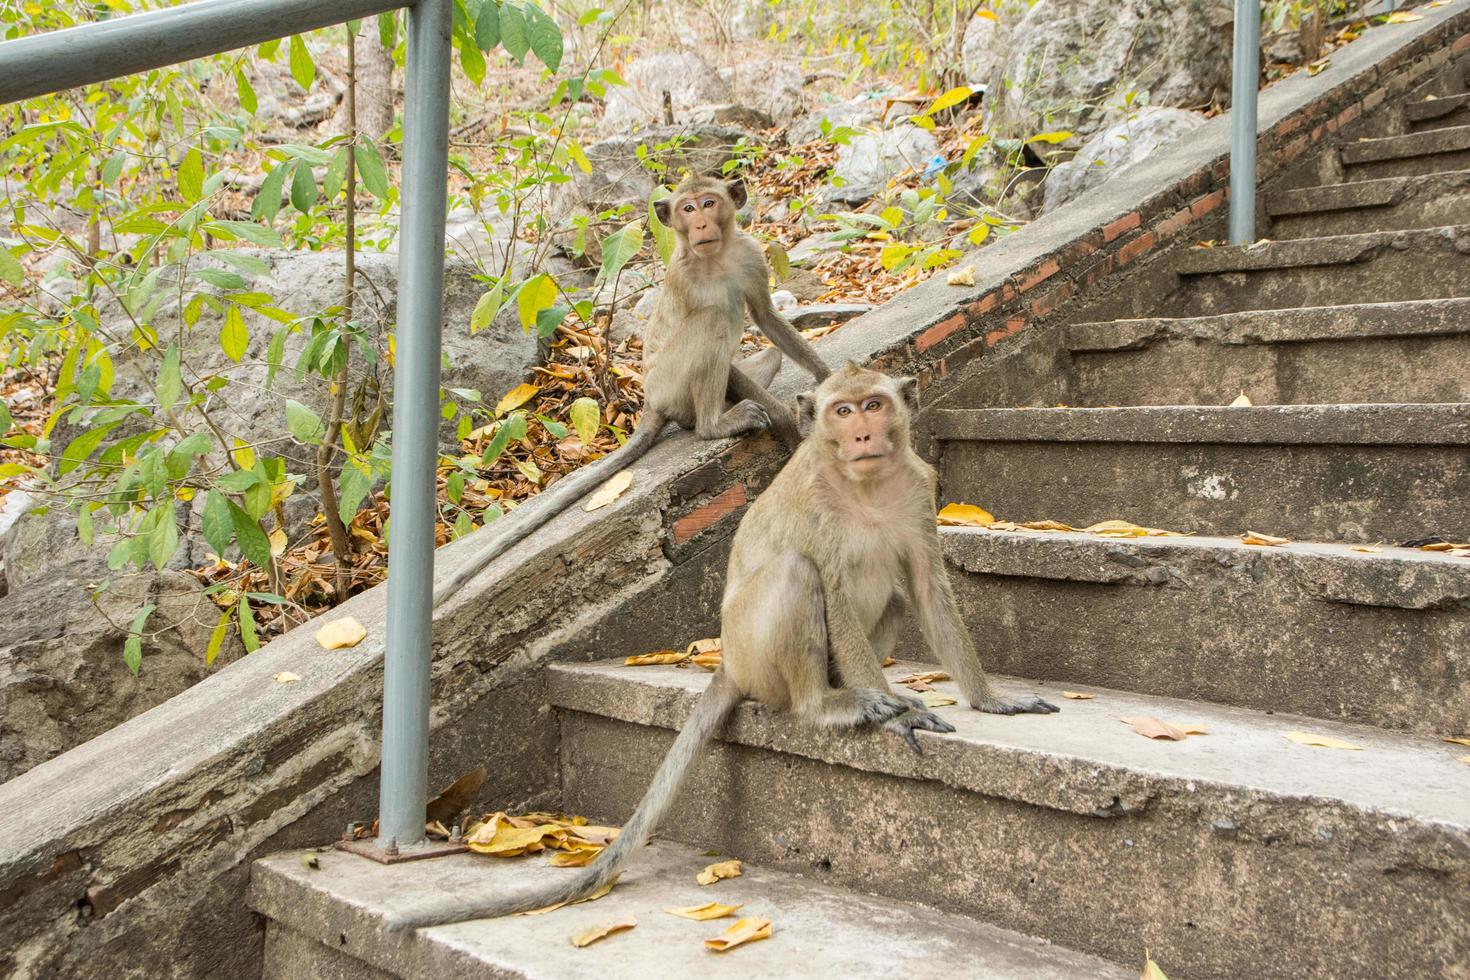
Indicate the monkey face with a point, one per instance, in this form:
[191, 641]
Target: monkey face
[862, 429]
[700, 220]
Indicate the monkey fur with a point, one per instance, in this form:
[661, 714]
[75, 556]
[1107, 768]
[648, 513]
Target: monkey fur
[822, 570]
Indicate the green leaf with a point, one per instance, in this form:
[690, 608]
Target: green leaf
[536, 294]
[267, 203]
[579, 156]
[354, 486]
[238, 481]
[10, 269]
[951, 98]
[253, 543]
[218, 529]
[620, 247]
[305, 425]
[549, 319]
[972, 149]
[471, 60]
[191, 175]
[586, 419]
[370, 165]
[303, 69]
[545, 36]
[133, 647]
[514, 36]
[234, 338]
[463, 525]
[169, 381]
[248, 636]
[163, 540]
[248, 230]
[336, 173]
[85, 528]
[217, 638]
[273, 355]
[487, 26]
[221, 278]
[488, 305]
[979, 233]
[77, 451]
[780, 262]
[303, 186]
[244, 92]
[388, 29]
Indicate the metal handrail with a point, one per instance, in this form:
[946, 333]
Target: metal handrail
[1245, 76]
[45, 63]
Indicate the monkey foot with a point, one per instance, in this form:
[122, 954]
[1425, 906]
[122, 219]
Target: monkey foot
[1030, 704]
[905, 724]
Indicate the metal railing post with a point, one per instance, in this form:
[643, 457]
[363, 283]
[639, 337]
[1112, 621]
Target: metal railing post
[403, 789]
[1245, 76]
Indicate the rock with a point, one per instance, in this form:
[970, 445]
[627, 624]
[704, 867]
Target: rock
[731, 114]
[866, 164]
[783, 299]
[984, 50]
[858, 113]
[687, 78]
[778, 87]
[1282, 48]
[1115, 149]
[62, 675]
[806, 285]
[618, 177]
[1071, 64]
[630, 322]
[811, 248]
[822, 314]
[280, 100]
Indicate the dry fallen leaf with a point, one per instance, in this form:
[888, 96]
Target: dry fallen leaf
[1463, 758]
[1367, 549]
[456, 798]
[1267, 540]
[590, 898]
[515, 398]
[1151, 969]
[1403, 17]
[964, 515]
[609, 491]
[933, 699]
[962, 277]
[1151, 727]
[743, 931]
[1457, 739]
[1321, 741]
[921, 680]
[606, 929]
[703, 646]
[339, 633]
[1242, 401]
[722, 869]
[705, 653]
[1046, 526]
[702, 913]
[286, 677]
[1077, 695]
[277, 540]
[1124, 529]
[656, 659]
[888, 662]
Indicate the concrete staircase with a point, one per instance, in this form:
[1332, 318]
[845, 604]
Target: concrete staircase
[1064, 845]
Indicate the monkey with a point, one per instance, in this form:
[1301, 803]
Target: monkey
[822, 569]
[715, 274]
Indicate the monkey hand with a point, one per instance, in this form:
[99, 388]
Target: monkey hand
[1028, 704]
[904, 726]
[751, 416]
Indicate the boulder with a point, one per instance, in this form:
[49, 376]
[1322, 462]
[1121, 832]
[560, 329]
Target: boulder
[619, 178]
[1071, 64]
[984, 50]
[859, 113]
[869, 161]
[778, 87]
[688, 79]
[1116, 148]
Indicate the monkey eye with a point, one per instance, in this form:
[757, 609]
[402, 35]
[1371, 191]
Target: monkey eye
[873, 405]
[843, 411]
[688, 206]
[709, 202]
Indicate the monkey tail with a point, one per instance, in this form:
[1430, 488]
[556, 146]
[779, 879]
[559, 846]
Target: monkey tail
[516, 525]
[714, 706]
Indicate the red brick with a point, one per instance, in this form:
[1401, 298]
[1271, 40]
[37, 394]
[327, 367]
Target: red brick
[1373, 101]
[1316, 133]
[706, 515]
[1043, 272]
[1292, 150]
[1287, 126]
[1097, 273]
[1078, 250]
[1126, 223]
[1012, 325]
[938, 332]
[1349, 114]
[1461, 45]
[983, 305]
[1206, 204]
[1050, 301]
[1173, 224]
[1135, 248]
[1007, 293]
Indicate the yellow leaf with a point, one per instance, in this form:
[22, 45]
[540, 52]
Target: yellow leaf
[578, 857]
[1403, 17]
[609, 491]
[1151, 727]
[1151, 969]
[606, 929]
[1117, 529]
[278, 542]
[705, 912]
[515, 398]
[964, 515]
[722, 869]
[987, 14]
[1321, 741]
[1265, 540]
[951, 98]
[743, 931]
[977, 236]
[339, 633]
[536, 294]
[710, 660]
[1457, 739]
[711, 645]
[1058, 137]
[1046, 526]
[579, 156]
[590, 898]
[1367, 549]
[1077, 695]
[1243, 401]
[965, 276]
[923, 677]
[656, 659]
[933, 699]
[509, 841]
[286, 677]
[888, 662]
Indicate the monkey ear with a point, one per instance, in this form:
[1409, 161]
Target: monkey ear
[736, 189]
[661, 211]
[806, 406]
[908, 388]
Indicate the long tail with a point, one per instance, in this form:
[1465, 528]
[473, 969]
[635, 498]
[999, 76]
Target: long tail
[543, 507]
[718, 700]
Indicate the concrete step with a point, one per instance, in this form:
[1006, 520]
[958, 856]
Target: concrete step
[1451, 110]
[1354, 473]
[1386, 204]
[1379, 637]
[1417, 351]
[1375, 267]
[329, 923]
[1413, 154]
[1233, 854]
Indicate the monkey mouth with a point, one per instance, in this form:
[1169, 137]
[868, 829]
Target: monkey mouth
[706, 241]
[859, 459]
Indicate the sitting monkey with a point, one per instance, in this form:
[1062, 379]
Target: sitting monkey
[715, 274]
[821, 570]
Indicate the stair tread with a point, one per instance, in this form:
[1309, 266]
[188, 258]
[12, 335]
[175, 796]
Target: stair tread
[1304, 252]
[1435, 108]
[1083, 759]
[1446, 424]
[1426, 143]
[1355, 194]
[814, 926]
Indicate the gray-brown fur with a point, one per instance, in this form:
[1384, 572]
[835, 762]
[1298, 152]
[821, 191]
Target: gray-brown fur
[821, 571]
[689, 346]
